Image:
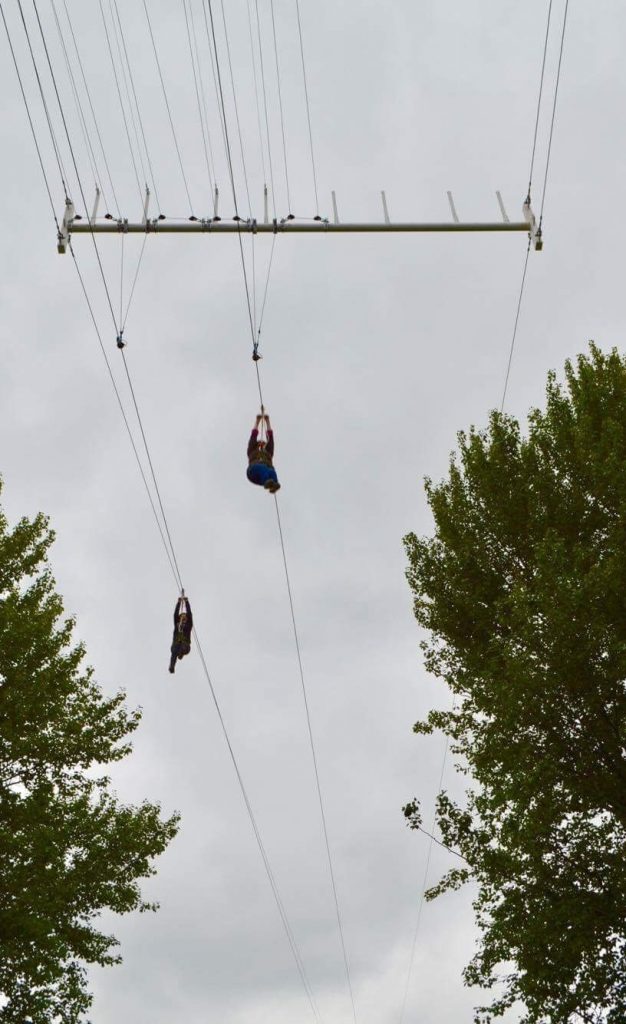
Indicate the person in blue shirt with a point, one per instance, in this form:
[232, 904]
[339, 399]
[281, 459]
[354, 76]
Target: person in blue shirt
[260, 456]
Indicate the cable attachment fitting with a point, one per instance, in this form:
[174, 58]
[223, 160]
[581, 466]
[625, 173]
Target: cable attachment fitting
[255, 352]
[120, 341]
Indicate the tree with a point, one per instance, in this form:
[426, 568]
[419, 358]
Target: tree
[522, 592]
[68, 848]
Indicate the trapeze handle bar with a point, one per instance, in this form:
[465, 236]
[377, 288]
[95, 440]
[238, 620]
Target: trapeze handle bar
[288, 227]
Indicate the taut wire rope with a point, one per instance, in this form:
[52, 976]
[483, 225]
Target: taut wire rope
[119, 96]
[169, 111]
[30, 120]
[308, 109]
[53, 139]
[139, 117]
[198, 101]
[91, 107]
[169, 550]
[79, 109]
[556, 92]
[280, 105]
[133, 120]
[508, 370]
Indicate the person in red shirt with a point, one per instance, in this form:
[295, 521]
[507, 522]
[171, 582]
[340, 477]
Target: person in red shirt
[260, 456]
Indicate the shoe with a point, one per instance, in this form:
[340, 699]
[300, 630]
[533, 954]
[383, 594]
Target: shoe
[268, 485]
[275, 487]
[171, 670]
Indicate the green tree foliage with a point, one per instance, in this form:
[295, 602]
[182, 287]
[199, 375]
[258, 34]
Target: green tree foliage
[68, 848]
[522, 592]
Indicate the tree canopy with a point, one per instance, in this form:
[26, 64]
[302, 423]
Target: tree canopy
[522, 594]
[68, 848]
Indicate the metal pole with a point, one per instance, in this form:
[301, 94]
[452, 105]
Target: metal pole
[290, 227]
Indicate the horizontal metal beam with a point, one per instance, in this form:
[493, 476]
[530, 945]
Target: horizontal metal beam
[284, 227]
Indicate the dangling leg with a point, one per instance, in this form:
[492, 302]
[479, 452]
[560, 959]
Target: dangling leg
[175, 655]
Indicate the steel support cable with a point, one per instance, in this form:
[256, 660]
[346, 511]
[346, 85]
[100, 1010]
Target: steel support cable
[108, 295]
[202, 89]
[133, 121]
[280, 530]
[314, 757]
[30, 120]
[510, 359]
[169, 547]
[556, 91]
[71, 149]
[176, 575]
[420, 904]
[280, 105]
[91, 107]
[267, 123]
[214, 75]
[256, 92]
[231, 173]
[79, 108]
[53, 139]
[308, 109]
[168, 553]
[268, 869]
[167, 104]
[151, 465]
[232, 84]
[541, 78]
[119, 95]
[195, 82]
[515, 326]
[139, 117]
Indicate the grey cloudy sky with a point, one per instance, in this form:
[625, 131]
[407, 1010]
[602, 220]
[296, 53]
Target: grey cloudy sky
[376, 351]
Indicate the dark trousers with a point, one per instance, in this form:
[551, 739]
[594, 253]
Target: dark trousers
[179, 649]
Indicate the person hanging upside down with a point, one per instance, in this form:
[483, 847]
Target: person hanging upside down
[183, 624]
[260, 454]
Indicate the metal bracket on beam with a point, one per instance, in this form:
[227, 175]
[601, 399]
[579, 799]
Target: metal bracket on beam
[69, 214]
[534, 229]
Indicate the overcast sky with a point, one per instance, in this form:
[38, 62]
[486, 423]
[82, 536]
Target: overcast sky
[376, 351]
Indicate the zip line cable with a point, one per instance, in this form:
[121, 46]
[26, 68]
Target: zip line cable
[258, 377]
[314, 757]
[82, 72]
[232, 84]
[267, 123]
[79, 109]
[280, 105]
[195, 82]
[167, 104]
[30, 120]
[108, 296]
[515, 326]
[543, 69]
[545, 182]
[203, 90]
[506, 382]
[256, 93]
[139, 117]
[119, 96]
[53, 139]
[169, 550]
[168, 553]
[133, 121]
[308, 109]
[556, 91]
[420, 904]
